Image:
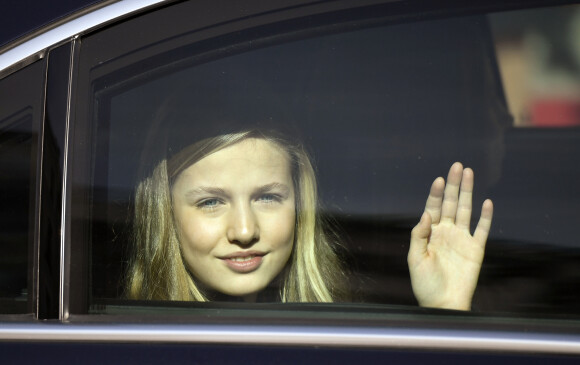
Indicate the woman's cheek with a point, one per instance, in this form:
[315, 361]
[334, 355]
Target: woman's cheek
[283, 225]
[200, 234]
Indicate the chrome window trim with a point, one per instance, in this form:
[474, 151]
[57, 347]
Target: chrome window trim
[63, 292]
[328, 336]
[69, 29]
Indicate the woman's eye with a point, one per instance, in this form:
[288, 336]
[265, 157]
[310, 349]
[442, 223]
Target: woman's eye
[269, 198]
[209, 204]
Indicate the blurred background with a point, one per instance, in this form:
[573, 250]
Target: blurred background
[539, 58]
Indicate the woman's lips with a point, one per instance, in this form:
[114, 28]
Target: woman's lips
[244, 262]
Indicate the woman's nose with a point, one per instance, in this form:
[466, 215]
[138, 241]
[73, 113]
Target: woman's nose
[243, 226]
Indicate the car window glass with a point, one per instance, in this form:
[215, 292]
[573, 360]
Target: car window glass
[382, 111]
[19, 117]
[539, 60]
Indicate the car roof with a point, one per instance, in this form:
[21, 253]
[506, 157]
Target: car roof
[23, 46]
[30, 47]
[23, 17]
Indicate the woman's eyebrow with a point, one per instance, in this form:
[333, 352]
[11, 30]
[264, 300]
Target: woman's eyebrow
[204, 190]
[282, 188]
[212, 190]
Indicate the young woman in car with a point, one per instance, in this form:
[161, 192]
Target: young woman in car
[237, 215]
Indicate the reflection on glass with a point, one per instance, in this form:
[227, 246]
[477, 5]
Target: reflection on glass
[15, 175]
[381, 112]
[539, 58]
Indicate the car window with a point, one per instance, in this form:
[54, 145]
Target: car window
[382, 108]
[20, 112]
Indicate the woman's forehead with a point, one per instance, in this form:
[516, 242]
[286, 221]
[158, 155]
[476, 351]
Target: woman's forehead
[252, 156]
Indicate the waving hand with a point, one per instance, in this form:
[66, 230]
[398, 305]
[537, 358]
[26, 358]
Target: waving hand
[444, 258]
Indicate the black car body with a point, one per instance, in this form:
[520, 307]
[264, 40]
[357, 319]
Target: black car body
[375, 87]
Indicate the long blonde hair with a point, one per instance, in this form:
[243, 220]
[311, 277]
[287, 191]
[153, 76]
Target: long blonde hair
[156, 271]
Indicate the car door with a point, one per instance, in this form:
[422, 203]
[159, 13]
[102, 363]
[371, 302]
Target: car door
[384, 96]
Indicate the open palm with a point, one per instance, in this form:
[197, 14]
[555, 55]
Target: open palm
[444, 258]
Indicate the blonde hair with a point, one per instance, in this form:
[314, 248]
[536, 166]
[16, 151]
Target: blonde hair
[314, 272]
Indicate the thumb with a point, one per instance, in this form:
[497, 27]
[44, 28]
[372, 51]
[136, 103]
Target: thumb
[420, 238]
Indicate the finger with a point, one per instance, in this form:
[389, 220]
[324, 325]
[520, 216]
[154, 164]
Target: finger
[484, 224]
[420, 238]
[450, 197]
[463, 218]
[433, 205]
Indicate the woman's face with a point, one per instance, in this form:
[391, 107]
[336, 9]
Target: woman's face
[235, 213]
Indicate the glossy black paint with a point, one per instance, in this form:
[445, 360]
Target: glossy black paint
[156, 353]
[53, 167]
